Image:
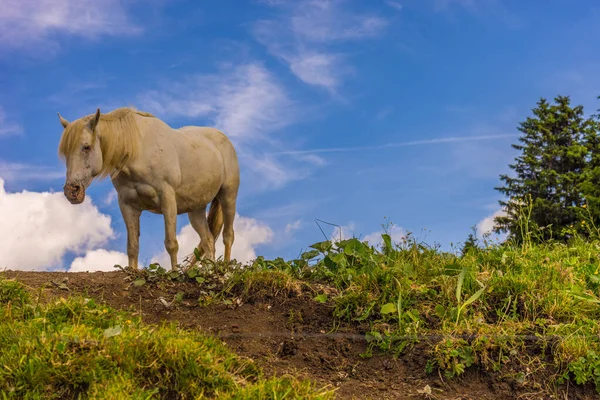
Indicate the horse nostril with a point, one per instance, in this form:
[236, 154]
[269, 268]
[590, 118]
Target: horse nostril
[72, 188]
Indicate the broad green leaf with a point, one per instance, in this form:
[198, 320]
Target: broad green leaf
[192, 273]
[322, 298]
[387, 240]
[353, 247]
[388, 308]
[309, 255]
[200, 279]
[323, 247]
[112, 331]
[139, 282]
[440, 310]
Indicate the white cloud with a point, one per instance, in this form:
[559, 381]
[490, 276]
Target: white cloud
[34, 22]
[293, 226]
[425, 142]
[347, 231]
[111, 197]
[27, 172]
[38, 228]
[249, 233]
[394, 4]
[396, 233]
[496, 9]
[6, 127]
[342, 232]
[487, 224]
[305, 32]
[99, 260]
[246, 101]
[248, 104]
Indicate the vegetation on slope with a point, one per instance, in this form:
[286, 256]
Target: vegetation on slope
[76, 348]
[518, 309]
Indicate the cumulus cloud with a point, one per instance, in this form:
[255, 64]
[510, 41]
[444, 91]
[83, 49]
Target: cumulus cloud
[24, 23]
[99, 260]
[249, 233]
[249, 105]
[304, 35]
[487, 224]
[396, 233]
[342, 232]
[39, 228]
[374, 238]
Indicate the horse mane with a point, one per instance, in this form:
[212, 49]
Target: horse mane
[119, 138]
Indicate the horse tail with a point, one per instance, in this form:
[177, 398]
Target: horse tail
[215, 218]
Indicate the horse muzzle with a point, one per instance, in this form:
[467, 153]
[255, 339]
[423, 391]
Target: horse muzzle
[74, 192]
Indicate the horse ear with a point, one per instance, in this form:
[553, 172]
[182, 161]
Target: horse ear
[94, 121]
[63, 121]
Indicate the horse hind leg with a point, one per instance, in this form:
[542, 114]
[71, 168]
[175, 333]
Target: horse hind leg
[227, 199]
[200, 224]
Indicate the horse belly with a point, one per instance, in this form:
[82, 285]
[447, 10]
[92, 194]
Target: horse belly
[196, 195]
[202, 175]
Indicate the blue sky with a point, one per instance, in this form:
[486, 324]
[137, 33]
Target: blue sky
[347, 111]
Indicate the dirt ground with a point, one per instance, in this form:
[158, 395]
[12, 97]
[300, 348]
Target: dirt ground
[291, 335]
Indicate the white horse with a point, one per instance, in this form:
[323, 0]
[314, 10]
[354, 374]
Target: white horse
[156, 168]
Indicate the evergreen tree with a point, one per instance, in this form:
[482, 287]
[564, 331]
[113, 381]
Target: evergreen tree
[471, 242]
[590, 186]
[550, 171]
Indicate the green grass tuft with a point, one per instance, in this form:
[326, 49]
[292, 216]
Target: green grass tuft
[76, 348]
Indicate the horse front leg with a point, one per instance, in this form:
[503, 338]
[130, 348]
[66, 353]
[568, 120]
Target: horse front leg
[169, 210]
[131, 217]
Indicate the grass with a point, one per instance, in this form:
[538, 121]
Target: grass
[76, 348]
[518, 310]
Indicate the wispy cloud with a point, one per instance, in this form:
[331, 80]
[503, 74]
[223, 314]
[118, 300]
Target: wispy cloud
[249, 105]
[306, 32]
[8, 128]
[580, 83]
[110, 197]
[245, 101]
[293, 226]
[77, 92]
[394, 4]
[24, 23]
[19, 172]
[398, 144]
[495, 9]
